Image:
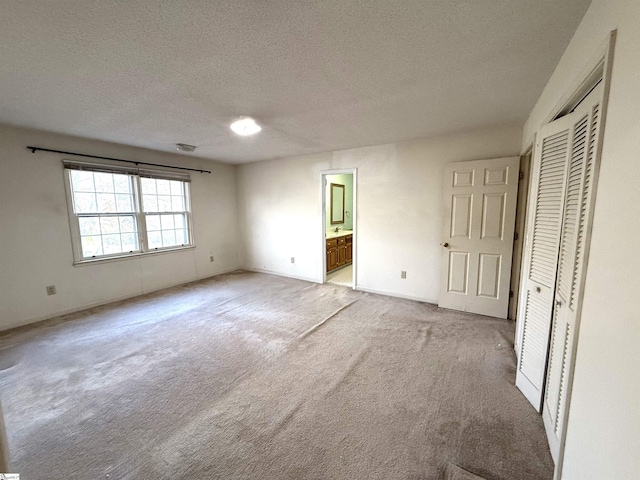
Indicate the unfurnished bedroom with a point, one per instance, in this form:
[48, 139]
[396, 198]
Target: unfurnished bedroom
[319, 240]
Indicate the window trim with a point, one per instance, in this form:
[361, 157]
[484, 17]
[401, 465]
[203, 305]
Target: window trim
[140, 215]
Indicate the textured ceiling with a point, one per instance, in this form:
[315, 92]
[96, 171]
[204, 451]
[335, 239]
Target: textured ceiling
[318, 75]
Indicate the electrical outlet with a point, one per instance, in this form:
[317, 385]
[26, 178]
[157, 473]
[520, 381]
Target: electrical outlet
[403, 274]
[293, 259]
[211, 258]
[51, 290]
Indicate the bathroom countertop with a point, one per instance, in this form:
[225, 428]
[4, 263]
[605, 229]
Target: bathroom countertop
[341, 233]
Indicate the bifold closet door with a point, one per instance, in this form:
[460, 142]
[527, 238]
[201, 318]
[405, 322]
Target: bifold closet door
[537, 289]
[574, 242]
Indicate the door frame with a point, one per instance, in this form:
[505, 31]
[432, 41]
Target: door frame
[599, 66]
[323, 217]
[520, 230]
[4, 446]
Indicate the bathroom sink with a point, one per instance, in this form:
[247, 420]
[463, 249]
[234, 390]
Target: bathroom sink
[341, 233]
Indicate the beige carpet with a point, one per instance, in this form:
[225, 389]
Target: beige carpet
[251, 376]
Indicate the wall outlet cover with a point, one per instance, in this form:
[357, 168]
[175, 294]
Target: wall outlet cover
[403, 274]
[51, 290]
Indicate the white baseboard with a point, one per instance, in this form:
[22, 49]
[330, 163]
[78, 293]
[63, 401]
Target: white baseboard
[137, 294]
[393, 294]
[278, 274]
[99, 303]
[357, 287]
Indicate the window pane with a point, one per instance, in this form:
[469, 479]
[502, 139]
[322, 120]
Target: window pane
[177, 204]
[127, 225]
[85, 203]
[153, 222]
[164, 203]
[150, 203]
[166, 222]
[164, 187]
[168, 238]
[182, 237]
[155, 240]
[82, 181]
[91, 246]
[129, 242]
[109, 225]
[124, 203]
[106, 203]
[111, 244]
[89, 225]
[122, 184]
[176, 188]
[104, 182]
[179, 220]
[148, 186]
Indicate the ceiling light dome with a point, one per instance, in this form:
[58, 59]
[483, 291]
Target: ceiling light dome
[245, 126]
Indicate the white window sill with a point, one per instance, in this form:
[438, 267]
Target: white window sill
[117, 258]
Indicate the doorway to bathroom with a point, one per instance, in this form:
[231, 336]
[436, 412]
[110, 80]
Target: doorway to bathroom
[339, 227]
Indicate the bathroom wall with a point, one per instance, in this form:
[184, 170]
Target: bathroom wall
[345, 179]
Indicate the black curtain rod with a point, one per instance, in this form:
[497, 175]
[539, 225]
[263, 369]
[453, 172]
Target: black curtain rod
[35, 149]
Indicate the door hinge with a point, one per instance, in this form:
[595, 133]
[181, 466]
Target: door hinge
[516, 236]
[521, 175]
[510, 293]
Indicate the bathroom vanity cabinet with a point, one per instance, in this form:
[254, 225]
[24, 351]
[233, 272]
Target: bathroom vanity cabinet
[339, 251]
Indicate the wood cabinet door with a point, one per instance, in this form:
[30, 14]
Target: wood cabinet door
[349, 252]
[332, 259]
[342, 255]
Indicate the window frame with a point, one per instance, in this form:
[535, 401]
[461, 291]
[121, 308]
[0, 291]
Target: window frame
[135, 177]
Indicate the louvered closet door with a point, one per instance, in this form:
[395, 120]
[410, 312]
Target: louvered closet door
[573, 247]
[541, 254]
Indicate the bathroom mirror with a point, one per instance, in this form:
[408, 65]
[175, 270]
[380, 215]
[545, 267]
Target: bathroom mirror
[337, 203]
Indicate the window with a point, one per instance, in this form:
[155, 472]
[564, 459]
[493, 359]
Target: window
[119, 212]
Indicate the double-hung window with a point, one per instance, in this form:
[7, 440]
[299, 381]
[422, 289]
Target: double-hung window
[118, 212]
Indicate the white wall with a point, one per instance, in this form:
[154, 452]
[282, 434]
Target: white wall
[603, 438]
[399, 205]
[35, 243]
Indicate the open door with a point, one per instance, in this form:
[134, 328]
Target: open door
[477, 242]
[338, 193]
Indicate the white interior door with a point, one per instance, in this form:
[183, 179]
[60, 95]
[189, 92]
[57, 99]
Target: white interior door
[554, 254]
[538, 282]
[574, 241]
[477, 241]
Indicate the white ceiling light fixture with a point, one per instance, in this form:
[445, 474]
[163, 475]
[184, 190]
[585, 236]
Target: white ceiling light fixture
[245, 126]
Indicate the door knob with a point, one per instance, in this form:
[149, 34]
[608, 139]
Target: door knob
[558, 303]
[445, 245]
[538, 290]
